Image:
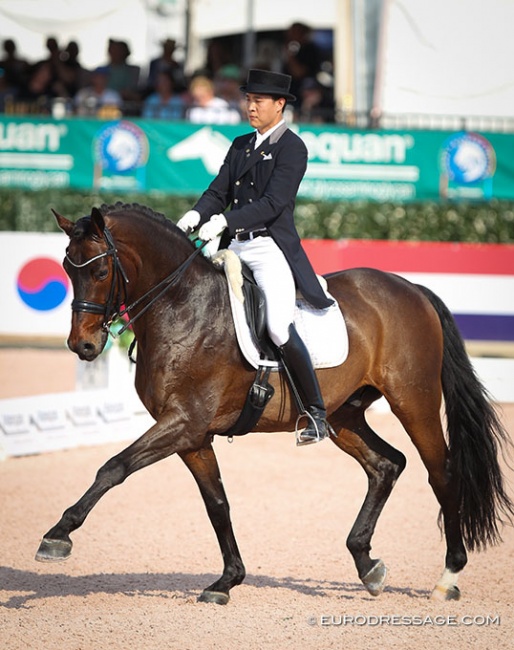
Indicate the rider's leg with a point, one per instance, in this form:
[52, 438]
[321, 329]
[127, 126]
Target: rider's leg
[273, 275]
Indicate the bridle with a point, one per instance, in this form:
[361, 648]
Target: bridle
[111, 310]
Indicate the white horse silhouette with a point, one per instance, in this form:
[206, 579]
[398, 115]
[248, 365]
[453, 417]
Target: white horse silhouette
[206, 144]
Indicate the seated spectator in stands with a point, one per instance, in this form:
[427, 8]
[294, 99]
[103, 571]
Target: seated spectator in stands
[6, 94]
[302, 58]
[123, 77]
[72, 75]
[15, 69]
[227, 85]
[39, 91]
[166, 62]
[206, 107]
[98, 99]
[315, 103]
[164, 103]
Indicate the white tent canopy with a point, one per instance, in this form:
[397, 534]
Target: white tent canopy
[143, 23]
[215, 18]
[443, 57]
[91, 24]
[446, 57]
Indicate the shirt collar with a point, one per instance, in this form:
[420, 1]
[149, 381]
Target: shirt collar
[259, 139]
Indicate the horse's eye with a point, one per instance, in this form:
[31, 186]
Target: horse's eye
[102, 274]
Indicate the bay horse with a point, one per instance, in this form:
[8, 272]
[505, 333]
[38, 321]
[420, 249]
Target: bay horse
[191, 376]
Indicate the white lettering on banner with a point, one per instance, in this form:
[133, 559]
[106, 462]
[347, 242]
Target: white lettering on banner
[36, 160]
[382, 191]
[31, 137]
[33, 179]
[336, 147]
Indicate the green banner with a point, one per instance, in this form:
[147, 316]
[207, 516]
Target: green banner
[181, 158]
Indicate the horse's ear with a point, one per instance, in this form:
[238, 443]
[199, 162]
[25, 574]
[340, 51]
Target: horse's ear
[64, 224]
[97, 222]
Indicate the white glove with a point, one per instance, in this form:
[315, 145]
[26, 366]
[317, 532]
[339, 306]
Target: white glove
[214, 227]
[189, 221]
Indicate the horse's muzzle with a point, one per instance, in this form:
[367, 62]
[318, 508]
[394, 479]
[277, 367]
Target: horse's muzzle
[86, 350]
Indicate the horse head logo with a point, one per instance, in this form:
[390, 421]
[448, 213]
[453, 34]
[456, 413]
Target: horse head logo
[205, 144]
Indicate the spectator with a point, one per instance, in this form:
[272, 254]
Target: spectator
[166, 62]
[164, 103]
[72, 75]
[227, 85]
[302, 57]
[39, 91]
[315, 103]
[98, 99]
[15, 69]
[206, 107]
[52, 61]
[6, 94]
[123, 77]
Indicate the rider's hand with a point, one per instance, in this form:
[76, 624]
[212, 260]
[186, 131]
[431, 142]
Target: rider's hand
[214, 227]
[189, 221]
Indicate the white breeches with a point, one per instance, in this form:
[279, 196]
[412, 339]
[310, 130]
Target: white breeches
[273, 275]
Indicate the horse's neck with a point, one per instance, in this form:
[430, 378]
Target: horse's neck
[151, 256]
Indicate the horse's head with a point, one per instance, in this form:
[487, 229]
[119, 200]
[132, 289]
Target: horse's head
[92, 263]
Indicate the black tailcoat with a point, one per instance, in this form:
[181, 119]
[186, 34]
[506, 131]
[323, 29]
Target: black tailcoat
[256, 188]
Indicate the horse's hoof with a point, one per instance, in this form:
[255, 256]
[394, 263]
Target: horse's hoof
[53, 550]
[442, 594]
[217, 597]
[374, 580]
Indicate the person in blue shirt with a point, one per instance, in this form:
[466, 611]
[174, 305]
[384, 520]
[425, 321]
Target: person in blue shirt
[164, 103]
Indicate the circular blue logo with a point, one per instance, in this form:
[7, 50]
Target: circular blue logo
[122, 147]
[468, 158]
[42, 284]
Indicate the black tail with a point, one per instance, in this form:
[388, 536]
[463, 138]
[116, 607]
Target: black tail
[475, 437]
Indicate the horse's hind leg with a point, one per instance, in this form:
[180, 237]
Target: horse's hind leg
[204, 467]
[383, 464]
[423, 424]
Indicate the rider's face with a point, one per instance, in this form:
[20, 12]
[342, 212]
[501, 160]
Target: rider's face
[264, 111]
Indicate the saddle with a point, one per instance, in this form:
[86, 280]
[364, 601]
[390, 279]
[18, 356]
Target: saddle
[255, 312]
[260, 391]
[248, 303]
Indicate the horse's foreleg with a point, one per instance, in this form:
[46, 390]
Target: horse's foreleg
[382, 464]
[152, 446]
[204, 467]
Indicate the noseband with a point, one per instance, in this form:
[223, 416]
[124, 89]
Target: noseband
[111, 309]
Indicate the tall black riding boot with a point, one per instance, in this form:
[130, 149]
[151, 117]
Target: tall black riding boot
[297, 360]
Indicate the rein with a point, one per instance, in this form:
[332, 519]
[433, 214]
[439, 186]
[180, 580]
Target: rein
[111, 309]
[165, 283]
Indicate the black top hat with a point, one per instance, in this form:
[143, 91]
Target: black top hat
[268, 83]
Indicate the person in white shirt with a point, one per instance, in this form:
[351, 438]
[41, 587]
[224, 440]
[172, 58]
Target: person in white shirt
[206, 107]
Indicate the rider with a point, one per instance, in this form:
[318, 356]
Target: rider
[251, 203]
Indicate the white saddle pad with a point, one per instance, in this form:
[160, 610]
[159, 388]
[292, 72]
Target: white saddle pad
[322, 330]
